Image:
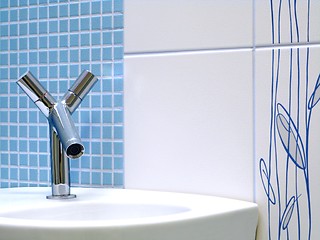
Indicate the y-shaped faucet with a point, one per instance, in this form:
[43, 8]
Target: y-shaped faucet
[64, 139]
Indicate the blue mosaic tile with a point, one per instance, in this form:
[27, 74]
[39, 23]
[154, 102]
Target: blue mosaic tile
[107, 179]
[107, 22]
[85, 8]
[53, 26]
[33, 2]
[53, 42]
[43, 12]
[84, 24]
[4, 16]
[74, 9]
[4, 4]
[118, 22]
[107, 6]
[33, 13]
[95, 23]
[33, 43]
[107, 38]
[53, 11]
[118, 179]
[85, 178]
[13, 30]
[13, 15]
[118, 6]
[63, 10]
[74, 25]
[56, 40]
[85, 40]
[43, 27]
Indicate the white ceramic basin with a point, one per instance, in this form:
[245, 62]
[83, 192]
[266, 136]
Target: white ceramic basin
[122, 214]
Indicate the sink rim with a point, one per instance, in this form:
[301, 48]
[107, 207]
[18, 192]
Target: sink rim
[188, 201]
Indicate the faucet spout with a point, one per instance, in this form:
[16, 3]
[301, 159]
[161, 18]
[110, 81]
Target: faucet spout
[79, 90]
[37, 93]
[60, 119]
[65, 141]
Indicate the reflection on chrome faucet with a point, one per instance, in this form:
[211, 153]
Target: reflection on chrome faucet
[65, 141]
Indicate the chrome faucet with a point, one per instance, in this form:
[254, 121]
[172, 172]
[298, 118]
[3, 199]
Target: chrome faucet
[65, 141]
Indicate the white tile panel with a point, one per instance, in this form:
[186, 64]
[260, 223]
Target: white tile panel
[189, 121]
[175, 25]
[284, 22]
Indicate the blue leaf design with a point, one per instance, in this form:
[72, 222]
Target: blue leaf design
[290, 137]
[287, 214]
[265, 179]
[315, 96]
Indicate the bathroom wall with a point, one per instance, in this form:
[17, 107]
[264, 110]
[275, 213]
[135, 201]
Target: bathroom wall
[56, 40]
[221, 99]
[189, 96]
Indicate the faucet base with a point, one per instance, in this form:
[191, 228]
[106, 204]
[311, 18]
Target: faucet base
[62, 197]
[61, 191]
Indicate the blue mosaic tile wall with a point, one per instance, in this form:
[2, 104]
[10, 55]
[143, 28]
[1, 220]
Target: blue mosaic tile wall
[56, 40]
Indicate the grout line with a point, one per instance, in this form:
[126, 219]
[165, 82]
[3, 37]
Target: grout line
[213, 50]
[288, 46]
[188, 51]
[254, 152]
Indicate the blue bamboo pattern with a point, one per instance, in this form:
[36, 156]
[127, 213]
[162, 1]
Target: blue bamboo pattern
[285, 172]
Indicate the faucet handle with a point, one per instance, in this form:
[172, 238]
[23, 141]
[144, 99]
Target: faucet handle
[79, 90]
[36, 92]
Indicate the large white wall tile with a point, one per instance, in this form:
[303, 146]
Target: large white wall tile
[174, 25]
[188, 121]
[287, 143]
[284, 22]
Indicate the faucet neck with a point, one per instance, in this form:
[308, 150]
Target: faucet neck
[60, 169]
